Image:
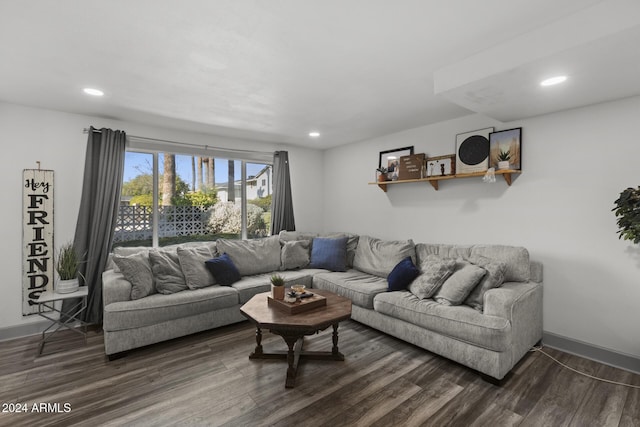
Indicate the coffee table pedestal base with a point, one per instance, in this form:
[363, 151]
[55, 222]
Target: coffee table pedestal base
[295, 342]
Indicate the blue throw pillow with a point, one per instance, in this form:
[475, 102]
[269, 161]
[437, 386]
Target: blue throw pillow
[223, 270]
[329, 254]
[402, 275]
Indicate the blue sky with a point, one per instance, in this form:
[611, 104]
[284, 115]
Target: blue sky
[141, 163]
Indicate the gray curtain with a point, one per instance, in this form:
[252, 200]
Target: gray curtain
[281, 202]
[103, 170]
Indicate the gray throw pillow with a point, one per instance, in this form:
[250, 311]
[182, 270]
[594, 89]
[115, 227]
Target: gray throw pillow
[493, 279]
[252, 256]
[126, 251]
[196, 273]
[435, 271]
[379, 257]
[516, 258]
[457, 287]
[295, 254]
[167, 273]
[137, 270]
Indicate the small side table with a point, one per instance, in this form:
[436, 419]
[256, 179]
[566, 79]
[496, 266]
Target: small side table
[47, 302]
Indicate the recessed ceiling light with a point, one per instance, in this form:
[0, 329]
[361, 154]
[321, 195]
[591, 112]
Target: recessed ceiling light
[314, 134]
[92, 91]
[553, 81]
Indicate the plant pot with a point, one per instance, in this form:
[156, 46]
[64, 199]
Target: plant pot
[503, 165]
[382, 177]
[277, 292]
[67, 286]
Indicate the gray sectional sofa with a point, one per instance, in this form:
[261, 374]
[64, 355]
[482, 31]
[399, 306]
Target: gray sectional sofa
[488, 329]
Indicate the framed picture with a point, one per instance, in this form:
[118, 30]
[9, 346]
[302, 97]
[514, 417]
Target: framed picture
[390, 159]
[505, 149]
[441, 165]
[472, 151]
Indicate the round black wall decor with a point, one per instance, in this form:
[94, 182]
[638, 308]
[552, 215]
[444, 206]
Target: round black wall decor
[473, 150]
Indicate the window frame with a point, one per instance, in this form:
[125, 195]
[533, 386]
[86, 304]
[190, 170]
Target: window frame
[247, 157]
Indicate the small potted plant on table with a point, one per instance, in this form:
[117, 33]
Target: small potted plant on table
[67, 263]
[277, 287]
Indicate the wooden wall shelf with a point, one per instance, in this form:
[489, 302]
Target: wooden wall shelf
[506, 174]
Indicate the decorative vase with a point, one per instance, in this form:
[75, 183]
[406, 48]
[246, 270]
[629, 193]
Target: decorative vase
[503, 165]
[67, 286]
[277, 292]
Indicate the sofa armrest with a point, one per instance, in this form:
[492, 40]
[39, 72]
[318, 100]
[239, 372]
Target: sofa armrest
[115, 287]
[521, 304]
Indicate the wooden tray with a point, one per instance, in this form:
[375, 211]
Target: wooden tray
[300, 306]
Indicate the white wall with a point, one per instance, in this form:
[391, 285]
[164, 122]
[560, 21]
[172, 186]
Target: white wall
[57, 141]
[575, 164]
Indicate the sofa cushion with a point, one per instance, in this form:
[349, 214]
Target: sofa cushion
[444, 251]
[125, 251]
[295, 254]
[378, 257]
[329, 254]
[460, 322]
[434, 271]
[192, 262]
[136, 268]
[402, 275]
[515, 258]
[167, 273]
[159, 308]
[359, 287]
[493, 279]
[457, 287]
[252, 256]
[288, 236]
[223, 269]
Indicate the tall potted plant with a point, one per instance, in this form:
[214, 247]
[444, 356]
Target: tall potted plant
[627, 211]
[67, 263]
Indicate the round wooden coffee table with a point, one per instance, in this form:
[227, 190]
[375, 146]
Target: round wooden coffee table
[293, 328]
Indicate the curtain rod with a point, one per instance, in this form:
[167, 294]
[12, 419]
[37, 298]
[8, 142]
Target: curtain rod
[186, 144]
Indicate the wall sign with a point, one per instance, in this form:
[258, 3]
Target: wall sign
[37, 237]
[410, 167]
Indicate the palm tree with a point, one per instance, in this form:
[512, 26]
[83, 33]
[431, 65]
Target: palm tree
[231, 185]
[211, 170]
[193, 173]
[169, 179]
[199, 174]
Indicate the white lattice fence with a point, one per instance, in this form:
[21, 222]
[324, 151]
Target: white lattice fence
[135, 222]
[181, 221]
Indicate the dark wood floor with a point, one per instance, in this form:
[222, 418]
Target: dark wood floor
[207, 379]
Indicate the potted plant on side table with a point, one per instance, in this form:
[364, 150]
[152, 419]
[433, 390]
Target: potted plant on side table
[67, 263]
[277, 287]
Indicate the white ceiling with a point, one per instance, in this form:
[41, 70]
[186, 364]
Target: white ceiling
[351, 69]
